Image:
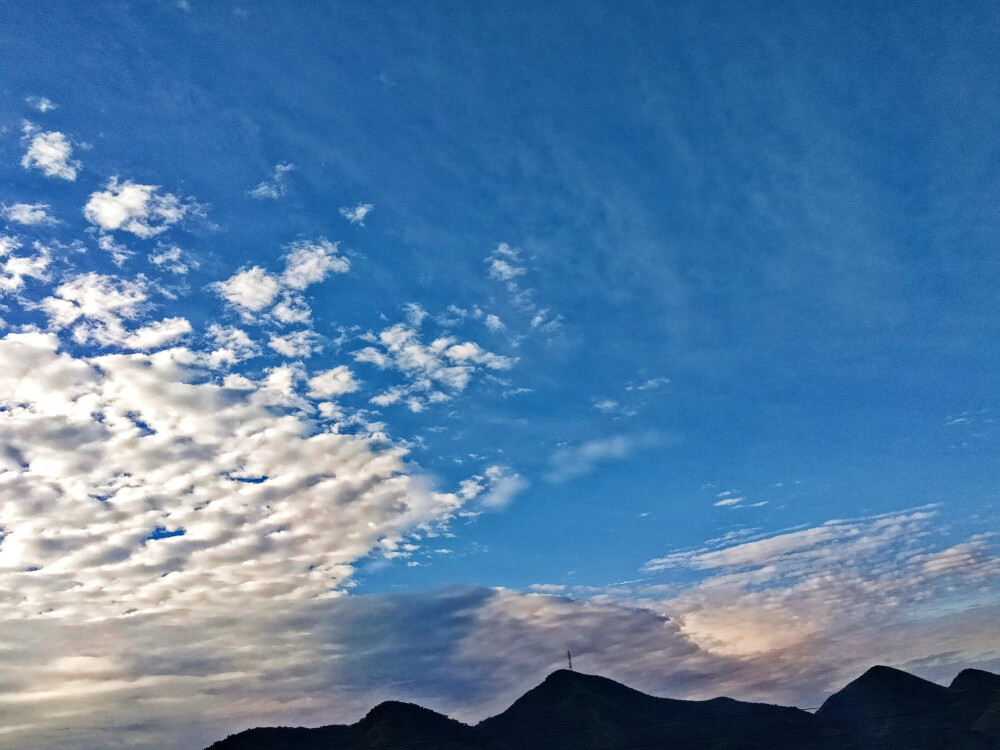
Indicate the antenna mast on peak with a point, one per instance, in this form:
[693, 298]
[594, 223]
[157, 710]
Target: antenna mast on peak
[569, 658]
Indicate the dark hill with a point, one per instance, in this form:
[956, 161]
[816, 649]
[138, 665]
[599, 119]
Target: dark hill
[885, 708]
[573, 710]
[976, 697]
[895, 709]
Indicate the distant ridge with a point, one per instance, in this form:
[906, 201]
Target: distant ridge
[884, 709]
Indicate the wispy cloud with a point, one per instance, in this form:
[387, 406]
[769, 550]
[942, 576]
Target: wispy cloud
[40, 103]
[570, 462]
[357, 214]
[173, 259]
[505, 264]
[274, 188]
[495, 488]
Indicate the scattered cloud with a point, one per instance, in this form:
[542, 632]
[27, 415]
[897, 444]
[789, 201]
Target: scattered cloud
[250, 290]
[332, 383]
[611, 407]
[433, 371]
[138, 209]
[111, 448]
[14, 269]
[97, 307]
[297, 344]
[254, 289]
[50, 152]
[495, 488]
[505, 265]
[172, 258]
[40, 103]
[229, 346]
[357, 214]
[310, 262]
[274, 188]
[29, 214]
[648, 385]
[494, 323]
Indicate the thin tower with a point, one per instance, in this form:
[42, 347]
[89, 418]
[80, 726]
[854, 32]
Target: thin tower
[569, 658]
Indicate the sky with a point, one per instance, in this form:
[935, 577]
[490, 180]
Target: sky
[355, 351]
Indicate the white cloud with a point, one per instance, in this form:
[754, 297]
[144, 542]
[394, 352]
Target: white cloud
[728, 501]
[444, 363]
[134, 208]
[252, 289]
[331, 383]
[292, 309]
[172, 258]
[119, 252]
[276, 187]
[494, 323]
[14, 269]
[29, 214]
[504, 264]
[308, 263]
[357, 214]
[163, 450]
[97, 308]
[114, 619]
[499, 486]
[296, 344]
[41, 103]
[156, 335]
[571, 462]
[51, 152]
[649, 385]
[231, 345]
[415, 314]
[94, 296]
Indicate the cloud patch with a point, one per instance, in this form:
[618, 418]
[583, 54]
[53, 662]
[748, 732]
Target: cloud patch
[254, 289]
[29, 214]
[50, 152]
[434, 371]
[138, 209]
[274, 188]
[357, 214]
[15, 268]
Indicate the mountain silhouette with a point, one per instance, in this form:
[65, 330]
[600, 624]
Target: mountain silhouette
[976, 697]
[884, 709]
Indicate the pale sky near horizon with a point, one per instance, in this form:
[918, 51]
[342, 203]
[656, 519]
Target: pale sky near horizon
[353, 351]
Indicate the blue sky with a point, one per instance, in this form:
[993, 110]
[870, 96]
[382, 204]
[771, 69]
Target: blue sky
[650, 330]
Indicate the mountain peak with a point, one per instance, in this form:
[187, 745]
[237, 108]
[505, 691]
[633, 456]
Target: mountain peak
[975, 679]
[398, 713]
[894, 683]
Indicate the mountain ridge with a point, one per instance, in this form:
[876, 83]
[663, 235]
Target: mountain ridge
[884, 708]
